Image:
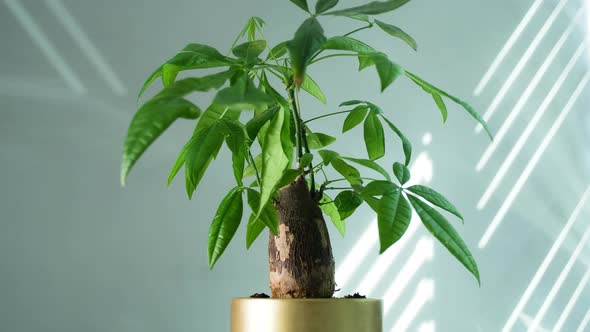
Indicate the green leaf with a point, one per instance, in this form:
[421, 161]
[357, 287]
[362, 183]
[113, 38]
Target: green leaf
[203, 148]
[323, 5]
[350, 173]
[446, 234]
[330, 209]
[434, 90]
[372, 8]
[369, 164]
[435, 198]
[288, 135]
[186, 86]
[238, 143]
[249, 50]
[242, 94]
[402, 173]
[328, 156]
[213, 113]
[347, 202]
[278, 51]
[301, 4]
[225, 224]
[274, 160]
[253, 229]
[342, 43]
[319, 140]
[178, 163]
[157, 73]
[372, 202]
[250, 171]
[305, 160]
[388, 71]
[193, 56]
[393, 219]
[313, 89]
[406, 145]
[374, 137]
[358, 17]
[268, 216]
[150, 121]
[308, 40]
[398, 33]
[354, 118]
[379, 188]
[289, 176]
[441, 106]
[253, 126]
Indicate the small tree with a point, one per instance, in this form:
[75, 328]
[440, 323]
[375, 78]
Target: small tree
[277, 155]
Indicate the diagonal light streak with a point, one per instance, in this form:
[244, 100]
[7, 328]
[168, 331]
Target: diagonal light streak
[524, 136]
[507, 47]
[546, 262]
[532, 164]
[572, 302]
[515, 73]
[584, 322]
[428, 326]
[87, 47]
[424, 294]
[423, 253]
[559, 282]
[539, 75]
[36, 33]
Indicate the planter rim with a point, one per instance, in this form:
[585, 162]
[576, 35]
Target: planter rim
[307, 300]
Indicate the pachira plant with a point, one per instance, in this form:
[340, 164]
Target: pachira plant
[279, 159]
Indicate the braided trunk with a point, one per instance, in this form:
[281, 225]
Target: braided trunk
[300, 258]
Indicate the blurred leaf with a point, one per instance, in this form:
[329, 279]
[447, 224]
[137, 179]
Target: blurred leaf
[369, 164]
[330, 209]
[372, 202]
[350, 173]
[434, 90]
[359, 17]
[313, 89]
[435, 198]
[213, 113]
[301, 4]
[289, 176]
[441, 106]
[249, 50]
[347, 202]
[186, 86]
[237, 141]
[242, 94]
[268, 217]
[203, 148]
[328, 156]
[406, 145]
[388, 71]
[372, 8]
[308, 40]
[342, 43]
[323, 5]
[398, 33]
[278, 51]
[253, 126]
[354, 118]
[250, 171]
[402, 173]
[393, 219]
[150, 121]
[193, 56]
[319, 140]
[379, 188]
[253, 229]
[374, 137]
[224, 225]
[305, 160]
[446, 234]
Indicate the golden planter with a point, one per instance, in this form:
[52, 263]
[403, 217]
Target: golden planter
[306, 315]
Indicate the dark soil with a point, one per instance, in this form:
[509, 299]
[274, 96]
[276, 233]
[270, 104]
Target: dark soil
[259, 296]
[355, 296]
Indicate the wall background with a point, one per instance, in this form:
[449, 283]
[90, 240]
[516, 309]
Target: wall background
[79, 253]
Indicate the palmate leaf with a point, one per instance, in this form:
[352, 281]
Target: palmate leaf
[274, 160]
[402, 173]
[393, 219]
[372, 8]
[311, 87]
[440, 103]
[379, 188]
[446, 234]
[268, 217]
[203, 148]
[351, 174]
[343, 43]
[249, 50]
[238, 143]
[434, 90]
[323, 5]
[369, 164]
[387, 70]
[374, 136]
[327, 156]
[305, 160]
[189, 85]
[225, 224]
[301, 4]
[354, 118]
[435, 198]
[308, 40]
[253, 229]
[319, 140]
[330, 209]
[150, 121]
[406, 145]
[242, 94]
[398, 33]
[278, 50]
[255, 124]
[347, 202]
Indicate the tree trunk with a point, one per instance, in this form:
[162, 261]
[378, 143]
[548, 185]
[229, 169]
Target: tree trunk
[300, 257]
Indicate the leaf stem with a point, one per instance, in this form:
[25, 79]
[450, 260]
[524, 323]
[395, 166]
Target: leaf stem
[337, 188]
[359, 29]
[251, 161]
[332, 56]
[326, 115]
[304, 137]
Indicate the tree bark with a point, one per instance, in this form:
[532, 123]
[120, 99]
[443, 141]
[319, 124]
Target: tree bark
[300, 257]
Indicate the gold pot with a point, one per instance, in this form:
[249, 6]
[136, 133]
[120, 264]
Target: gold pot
[305, 315]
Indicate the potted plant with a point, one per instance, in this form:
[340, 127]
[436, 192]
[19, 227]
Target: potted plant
[279, 161]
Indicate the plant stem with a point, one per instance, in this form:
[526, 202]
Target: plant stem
[326, 115]
[359, 29]
[332, 56]
[251, 160]
[343, 179]
[304, 136]
[297, 123]
[337, 188]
